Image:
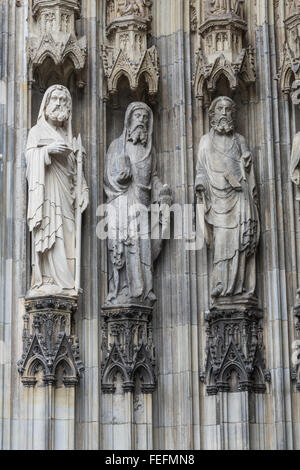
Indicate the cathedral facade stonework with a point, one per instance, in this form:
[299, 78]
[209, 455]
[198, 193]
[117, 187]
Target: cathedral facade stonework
[149, 208]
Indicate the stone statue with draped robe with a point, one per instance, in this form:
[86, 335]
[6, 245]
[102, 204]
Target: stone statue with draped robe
[225, 183]
[295, 173]
[225, 6]
[131, 184]
[52, 198]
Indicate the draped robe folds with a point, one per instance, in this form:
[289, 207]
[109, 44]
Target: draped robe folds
[231, 216]
[295, 160]
[51, 212]
[131, 257]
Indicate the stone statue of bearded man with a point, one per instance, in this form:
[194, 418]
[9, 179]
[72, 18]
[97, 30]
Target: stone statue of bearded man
[53, 192]
[132, 185]
[225, 181]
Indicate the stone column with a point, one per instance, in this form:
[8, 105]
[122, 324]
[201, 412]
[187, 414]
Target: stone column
[13, 239]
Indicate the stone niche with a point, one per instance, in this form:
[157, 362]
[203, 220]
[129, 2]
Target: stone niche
[126, 53]
[222, 52]
[54, 50]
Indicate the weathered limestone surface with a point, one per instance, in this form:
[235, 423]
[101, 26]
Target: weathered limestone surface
[180, 414]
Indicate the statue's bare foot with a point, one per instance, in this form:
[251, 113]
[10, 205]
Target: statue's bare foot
[217, 291]
[110, 297]
[152, 297]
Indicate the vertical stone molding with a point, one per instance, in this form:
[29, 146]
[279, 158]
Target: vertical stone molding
[127, 348]
[126, 53]
[222, 52]
[49, 343]
[53, 45]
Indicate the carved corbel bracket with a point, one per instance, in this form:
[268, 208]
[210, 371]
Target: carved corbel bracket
[235, 352]
[222, 53]
[53, 38]
[48, 341]
[126, 53]
[127, 348]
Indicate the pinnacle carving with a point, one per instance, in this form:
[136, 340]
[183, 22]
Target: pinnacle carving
[53, 37]
[126, 52]
[222, 53]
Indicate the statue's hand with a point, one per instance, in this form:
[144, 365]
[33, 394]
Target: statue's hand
[59, 149]
[200, 186]
[200, 190]
[124, 176]
[84, 200]
[247, 160]
[165, 195]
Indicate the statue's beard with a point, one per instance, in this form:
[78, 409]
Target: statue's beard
[138, 135]
[57, 114]
[222, 125]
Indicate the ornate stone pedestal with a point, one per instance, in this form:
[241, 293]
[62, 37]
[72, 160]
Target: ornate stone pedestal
[49, 343]
[235, 351]
[127, 347]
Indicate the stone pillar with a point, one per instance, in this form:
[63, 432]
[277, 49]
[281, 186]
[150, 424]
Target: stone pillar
[128, 378]
[50, 367]
[13, 239]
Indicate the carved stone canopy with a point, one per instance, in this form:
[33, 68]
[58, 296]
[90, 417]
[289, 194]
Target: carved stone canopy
[126, 53]
[290, 60]
[72, 5]
[53, 37]
[222, 52]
